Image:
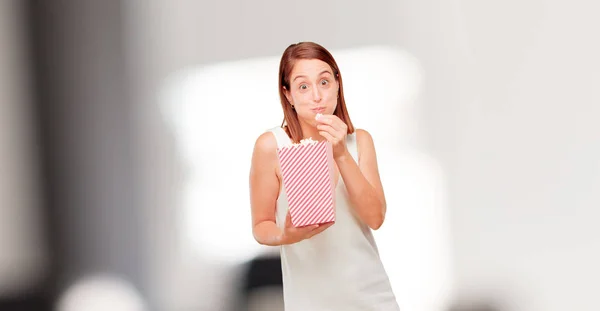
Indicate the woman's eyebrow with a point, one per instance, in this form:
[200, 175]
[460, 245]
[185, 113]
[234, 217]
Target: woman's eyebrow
[303, 76]
[300, 76]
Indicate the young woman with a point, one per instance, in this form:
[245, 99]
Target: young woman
[335, 266]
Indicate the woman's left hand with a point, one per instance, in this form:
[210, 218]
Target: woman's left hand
[334, 130]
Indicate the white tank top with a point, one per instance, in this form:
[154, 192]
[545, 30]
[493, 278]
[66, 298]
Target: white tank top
[339, 268]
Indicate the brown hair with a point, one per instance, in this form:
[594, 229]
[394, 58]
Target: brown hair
[307, 50]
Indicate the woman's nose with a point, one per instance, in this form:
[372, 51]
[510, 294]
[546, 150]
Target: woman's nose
[316, 94]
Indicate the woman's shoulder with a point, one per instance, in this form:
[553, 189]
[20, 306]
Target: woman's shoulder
[362, 133]
[266, 142]
[363, 136]
[364, 141]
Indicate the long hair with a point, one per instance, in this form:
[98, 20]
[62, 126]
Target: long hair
[307, 50]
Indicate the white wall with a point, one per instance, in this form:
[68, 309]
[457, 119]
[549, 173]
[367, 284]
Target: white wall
[510, 96]
[526, 167]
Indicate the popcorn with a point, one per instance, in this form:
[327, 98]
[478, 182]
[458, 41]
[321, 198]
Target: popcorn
[307, 174]
[306, 141]
[318, 116]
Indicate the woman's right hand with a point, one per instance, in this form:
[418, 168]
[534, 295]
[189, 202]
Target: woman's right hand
[293, 234]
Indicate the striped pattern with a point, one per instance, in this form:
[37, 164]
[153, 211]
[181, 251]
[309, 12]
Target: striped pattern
[306, 172]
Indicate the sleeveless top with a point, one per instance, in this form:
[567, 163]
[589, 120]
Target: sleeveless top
[338, 269]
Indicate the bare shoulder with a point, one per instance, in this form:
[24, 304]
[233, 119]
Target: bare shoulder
[362, 134]
[364, 139]
[264, 173]
[364, 145]
[265, 143]
[264, 155]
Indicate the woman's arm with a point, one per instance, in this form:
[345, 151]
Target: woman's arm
[363, 182]
[264, 189]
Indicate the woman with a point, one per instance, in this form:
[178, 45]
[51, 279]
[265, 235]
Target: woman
[335, 266]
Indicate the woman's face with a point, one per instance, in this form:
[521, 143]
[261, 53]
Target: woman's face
[313, 89]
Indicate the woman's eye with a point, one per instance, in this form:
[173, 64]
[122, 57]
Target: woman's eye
[303, 86]
[324, 82]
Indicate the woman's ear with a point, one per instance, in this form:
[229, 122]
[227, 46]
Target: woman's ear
[287, 96]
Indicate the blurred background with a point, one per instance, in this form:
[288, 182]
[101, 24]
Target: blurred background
[126, 129]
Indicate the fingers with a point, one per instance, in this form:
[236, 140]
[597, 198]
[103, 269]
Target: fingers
[300, 233]
[290, 225]
[327, 225]
[336, 123]
[319, 230]
[308, 231]
[325, 119]
[328, 128]
[332, 128]
[328, 136]
[300, 230]
[332, 121]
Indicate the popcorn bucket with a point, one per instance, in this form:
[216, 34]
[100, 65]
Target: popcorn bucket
[307, 170]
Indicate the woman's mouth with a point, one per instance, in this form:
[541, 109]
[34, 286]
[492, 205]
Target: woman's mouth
[318, 110]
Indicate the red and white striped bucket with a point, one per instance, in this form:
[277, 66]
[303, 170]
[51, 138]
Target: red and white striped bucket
[307, 171]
